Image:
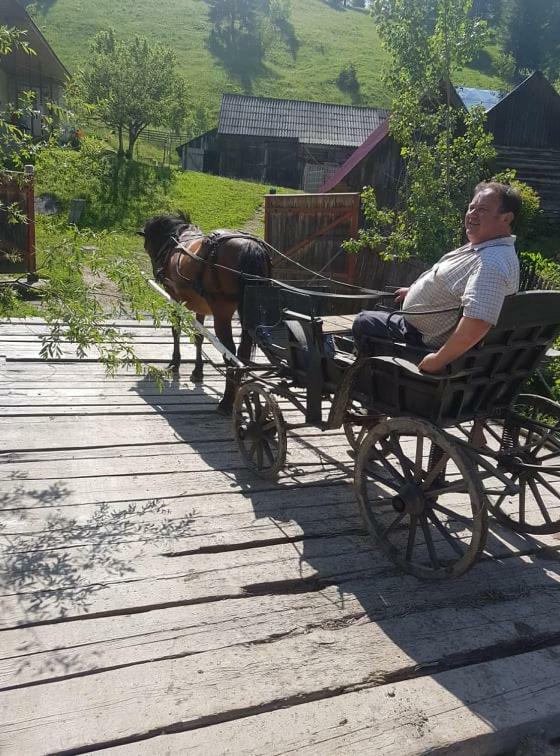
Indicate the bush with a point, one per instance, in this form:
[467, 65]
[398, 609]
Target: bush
[347, 79]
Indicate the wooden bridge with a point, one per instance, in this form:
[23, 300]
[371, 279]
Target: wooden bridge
[157, 598]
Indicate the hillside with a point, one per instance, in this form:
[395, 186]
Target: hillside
[327, 40]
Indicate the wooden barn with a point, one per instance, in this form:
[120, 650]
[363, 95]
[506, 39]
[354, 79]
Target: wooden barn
[291, 143]
[526, 128]
[42, 73]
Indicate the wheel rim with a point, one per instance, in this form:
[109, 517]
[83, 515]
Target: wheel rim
[355, 433]
[259, 430]
[421, 499]
[357, 428]
[529, 443]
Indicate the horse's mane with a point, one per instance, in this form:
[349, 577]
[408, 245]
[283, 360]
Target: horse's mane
[162, 233]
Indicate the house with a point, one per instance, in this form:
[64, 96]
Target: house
[526, 127]
[43, 73]
[293, 143]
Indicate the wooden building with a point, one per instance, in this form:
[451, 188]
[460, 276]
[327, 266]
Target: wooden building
[291, 143]
[526, 128]
[42, 73]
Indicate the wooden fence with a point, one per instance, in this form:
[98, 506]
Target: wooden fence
[310, 229]
[17, 240]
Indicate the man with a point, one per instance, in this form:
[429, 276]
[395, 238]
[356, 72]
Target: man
[473, 279]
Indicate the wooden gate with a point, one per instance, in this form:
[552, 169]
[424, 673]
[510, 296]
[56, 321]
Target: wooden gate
[310, 229]
[17, 240]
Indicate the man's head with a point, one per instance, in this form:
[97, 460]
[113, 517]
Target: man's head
[491, 212]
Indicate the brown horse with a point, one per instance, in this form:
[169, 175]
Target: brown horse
[207, 274]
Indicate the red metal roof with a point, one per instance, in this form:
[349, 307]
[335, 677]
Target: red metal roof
[357, 156]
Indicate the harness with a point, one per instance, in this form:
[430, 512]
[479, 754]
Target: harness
[207, 255]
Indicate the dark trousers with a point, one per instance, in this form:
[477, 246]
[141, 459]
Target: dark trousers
[372, 325]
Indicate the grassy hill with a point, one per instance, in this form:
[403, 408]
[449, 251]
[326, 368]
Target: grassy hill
[327, 40]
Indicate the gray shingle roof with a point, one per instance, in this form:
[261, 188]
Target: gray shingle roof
[309, 122]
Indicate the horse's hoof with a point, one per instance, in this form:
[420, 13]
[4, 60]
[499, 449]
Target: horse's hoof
[224, 409]
[197, 377]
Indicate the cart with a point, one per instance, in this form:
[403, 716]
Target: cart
[433, 454]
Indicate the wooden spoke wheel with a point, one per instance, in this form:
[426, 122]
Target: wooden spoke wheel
[356, 428]
[529, 456]
[259, 430]
[421, 498]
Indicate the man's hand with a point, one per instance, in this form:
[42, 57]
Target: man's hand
[431, 363]
[401, 293]
[469, 332]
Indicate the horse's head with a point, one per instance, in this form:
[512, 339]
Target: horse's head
[162, 233]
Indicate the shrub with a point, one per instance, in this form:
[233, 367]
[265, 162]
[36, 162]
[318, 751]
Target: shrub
[347, 79]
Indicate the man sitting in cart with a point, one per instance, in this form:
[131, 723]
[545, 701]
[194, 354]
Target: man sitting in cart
[470, 282]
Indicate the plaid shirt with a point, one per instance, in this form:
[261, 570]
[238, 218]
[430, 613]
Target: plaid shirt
[474, 279]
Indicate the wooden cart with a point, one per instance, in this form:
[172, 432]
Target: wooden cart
[424, 479]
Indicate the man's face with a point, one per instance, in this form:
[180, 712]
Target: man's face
[485, 219]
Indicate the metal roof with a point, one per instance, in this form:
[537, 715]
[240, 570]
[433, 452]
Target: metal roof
[356, 157]
[472, 97]
[308, 122]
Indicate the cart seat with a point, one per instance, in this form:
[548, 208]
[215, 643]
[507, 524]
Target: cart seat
[482, 382]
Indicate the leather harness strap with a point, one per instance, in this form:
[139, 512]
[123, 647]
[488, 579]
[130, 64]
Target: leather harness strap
[207, 253]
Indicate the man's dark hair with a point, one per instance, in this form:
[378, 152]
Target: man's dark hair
[509, 195]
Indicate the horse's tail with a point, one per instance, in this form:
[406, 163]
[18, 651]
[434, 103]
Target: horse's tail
[254, 261]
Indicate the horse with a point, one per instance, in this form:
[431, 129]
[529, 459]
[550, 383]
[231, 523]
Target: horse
[207, 273]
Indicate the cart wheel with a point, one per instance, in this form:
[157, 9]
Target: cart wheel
[357, 428]
[421, 498]
[530, 457]
[259, 430]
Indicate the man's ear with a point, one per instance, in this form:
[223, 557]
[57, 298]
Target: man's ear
[509, 218]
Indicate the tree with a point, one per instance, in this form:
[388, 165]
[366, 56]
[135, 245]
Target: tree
[532, 36]
[445, 149]
[130, 85]
[238, 33]
[69, 301]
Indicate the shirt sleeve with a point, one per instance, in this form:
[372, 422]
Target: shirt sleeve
[484, 293]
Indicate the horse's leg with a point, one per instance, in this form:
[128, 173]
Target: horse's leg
[222, 329]
[245, 346]
[176, 358]
[197, 374]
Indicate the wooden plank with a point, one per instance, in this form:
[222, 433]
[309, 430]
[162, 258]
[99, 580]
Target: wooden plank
[71, 431]
[106, 578]
[53, 651]
[247, 678]
[483, 709]
[157, 460]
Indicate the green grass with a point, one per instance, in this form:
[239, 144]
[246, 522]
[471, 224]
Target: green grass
[121, 203]
[328, 40]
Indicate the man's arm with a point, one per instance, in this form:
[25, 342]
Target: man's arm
[469, 332]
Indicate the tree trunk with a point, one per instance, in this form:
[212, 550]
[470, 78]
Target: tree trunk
[133, 135]
[120, 151]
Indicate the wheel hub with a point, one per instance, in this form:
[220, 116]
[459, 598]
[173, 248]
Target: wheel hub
[410, 500]
[519, 459]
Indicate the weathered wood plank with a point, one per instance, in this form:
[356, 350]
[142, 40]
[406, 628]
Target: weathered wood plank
[52, 651]
[44, 587]
[158, 460]
[71, 431]
[247, 678]
[483, 709]
[146, 352]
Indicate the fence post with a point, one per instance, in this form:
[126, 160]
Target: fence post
[29, 173]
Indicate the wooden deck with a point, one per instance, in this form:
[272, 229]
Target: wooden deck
[157, 598]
